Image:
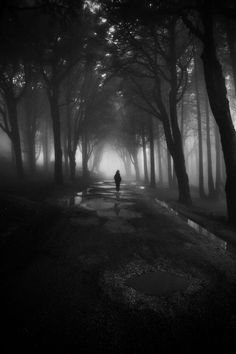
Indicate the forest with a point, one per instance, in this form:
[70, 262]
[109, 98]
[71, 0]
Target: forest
[158, 80]
[88, 87]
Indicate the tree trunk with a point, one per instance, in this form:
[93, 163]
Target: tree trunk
[45, 147]
[72, 163]
[199, 124]
[219, 103]
[53, 100]
[136, 166]
[85, 155]
[169, 171]
[160, 175]
[15, 136]
[173, 135]
[144, 157]
[218, 181]
[231, 38]
[97, 158]
[182, 121]
[127, 164]
[174, 177]
[66, 155]
[152, 157]
[211, 188]
[31, 155]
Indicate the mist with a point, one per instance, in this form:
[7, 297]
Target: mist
[118, 176]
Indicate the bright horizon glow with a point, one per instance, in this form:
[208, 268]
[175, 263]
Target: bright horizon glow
[111, 162]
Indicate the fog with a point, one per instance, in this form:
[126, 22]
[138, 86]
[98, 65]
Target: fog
[96, 261]
[110, 162]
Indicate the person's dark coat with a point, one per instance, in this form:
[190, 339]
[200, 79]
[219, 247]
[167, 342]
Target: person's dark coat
[117, 179]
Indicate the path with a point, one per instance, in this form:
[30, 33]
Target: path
[77, 295]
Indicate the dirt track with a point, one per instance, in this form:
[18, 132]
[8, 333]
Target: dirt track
[72, 296]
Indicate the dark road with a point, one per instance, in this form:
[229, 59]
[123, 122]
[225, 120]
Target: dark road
[118, 273]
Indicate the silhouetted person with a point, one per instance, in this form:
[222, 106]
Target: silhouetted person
[117, 179]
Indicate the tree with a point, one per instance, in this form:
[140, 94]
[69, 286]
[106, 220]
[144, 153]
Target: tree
[155, 54]
[211, 188]
[12, 87]
[217, 92]
[199, 123]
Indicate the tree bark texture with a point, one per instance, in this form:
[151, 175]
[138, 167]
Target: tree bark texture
[85, 154]
[55, 115]
[219, 103]
[152, 157]
[144, 156]
[199, 125]
[211, 187]
[15, 135]
[159, 162]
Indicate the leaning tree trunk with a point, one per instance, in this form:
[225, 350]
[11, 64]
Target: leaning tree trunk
[176, 151]
[144, 157]
[169, 170]
[173, 135]
[182, 119]
[219, 103]
[55, 115]
[231, 38]
[218, 180]
[199, 125]
[211, 188]
[152, 158]
[15, 136]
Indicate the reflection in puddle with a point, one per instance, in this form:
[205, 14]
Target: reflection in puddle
[118, 212]
[77, 200]
[105, 187]
[158, 283]
[97, 204]
[217, 241]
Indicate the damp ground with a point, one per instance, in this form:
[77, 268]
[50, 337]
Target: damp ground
[120, 273]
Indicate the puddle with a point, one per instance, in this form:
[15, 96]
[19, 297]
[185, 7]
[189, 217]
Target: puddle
[158, 283]
[69, 201]
[106, 186]
[97, 192]
[217, 240]
[97, 204]
[118, 212]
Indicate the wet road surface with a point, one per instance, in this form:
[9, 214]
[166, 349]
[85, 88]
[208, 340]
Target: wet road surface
[119, 273]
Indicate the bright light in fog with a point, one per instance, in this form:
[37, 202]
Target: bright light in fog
[110, 163]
